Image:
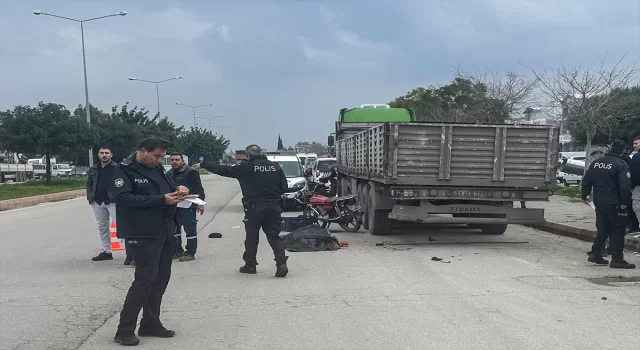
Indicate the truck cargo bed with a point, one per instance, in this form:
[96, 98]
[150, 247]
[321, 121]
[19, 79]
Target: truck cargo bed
[441, 154]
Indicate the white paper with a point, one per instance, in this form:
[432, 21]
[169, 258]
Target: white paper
[190, 201]
[592, 205]
[196, 201]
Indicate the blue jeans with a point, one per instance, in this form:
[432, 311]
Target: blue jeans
[186, 217]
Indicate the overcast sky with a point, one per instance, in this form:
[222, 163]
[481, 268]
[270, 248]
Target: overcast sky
[288, 66]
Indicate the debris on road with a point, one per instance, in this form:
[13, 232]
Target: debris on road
[215, 235]
[435, 258]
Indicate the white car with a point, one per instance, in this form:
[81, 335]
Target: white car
[568, 179]
[293, 171]
[322, 167]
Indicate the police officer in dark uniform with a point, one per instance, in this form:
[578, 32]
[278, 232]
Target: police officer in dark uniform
[146, 204]
[263, 183]
[610, 179]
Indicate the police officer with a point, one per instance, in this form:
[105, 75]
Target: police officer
[183, 174]
[610, 179]
[146, 204]
[262, 182]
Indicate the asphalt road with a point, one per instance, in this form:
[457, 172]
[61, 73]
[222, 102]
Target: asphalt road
[524, 290]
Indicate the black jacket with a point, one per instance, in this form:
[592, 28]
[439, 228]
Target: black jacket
[189, 178]
[92, 181]
[139, 192]
[261, 180]
[635, 170]
[610, 178]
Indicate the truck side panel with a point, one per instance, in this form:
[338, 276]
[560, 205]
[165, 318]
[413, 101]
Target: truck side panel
[452, 155]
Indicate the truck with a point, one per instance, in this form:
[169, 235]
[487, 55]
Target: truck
[442, 173]
[11, 169]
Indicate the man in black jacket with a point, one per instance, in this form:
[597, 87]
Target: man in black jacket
[104, 210]
[184, 175]
[146, 204]
[610, 178]
[263, 183]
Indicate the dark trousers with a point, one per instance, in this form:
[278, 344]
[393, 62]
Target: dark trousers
[633, 220]
[610, 223]
[128, 251]
[267, 217]
[187, 218]
[153, 270]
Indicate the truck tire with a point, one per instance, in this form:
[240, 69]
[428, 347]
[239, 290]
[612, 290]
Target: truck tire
[494, 229]
[379, 222]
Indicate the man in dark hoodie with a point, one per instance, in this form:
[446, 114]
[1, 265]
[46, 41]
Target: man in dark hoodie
[182, 174]
[610, 179]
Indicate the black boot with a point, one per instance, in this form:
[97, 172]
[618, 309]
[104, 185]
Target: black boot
[128, 339]
[103, 256]
[158, 331]
[282, 270]
[597, 259]
[617, 262]
[250, 269]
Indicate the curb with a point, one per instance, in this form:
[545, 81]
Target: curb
[35, 200]
[582, 234]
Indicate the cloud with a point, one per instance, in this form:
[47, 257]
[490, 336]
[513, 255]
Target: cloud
[286, 66]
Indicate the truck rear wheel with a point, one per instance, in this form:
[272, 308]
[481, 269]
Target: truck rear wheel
[494, 229]
[379, 222]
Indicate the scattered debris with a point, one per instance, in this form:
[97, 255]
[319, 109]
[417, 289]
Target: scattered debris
[604, 298]
[215, 235]
[236, 227]
[379, 244]
[431, 239]
[435, 258]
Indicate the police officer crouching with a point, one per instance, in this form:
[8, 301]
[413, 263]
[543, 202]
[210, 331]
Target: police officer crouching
[610, 179]
[146, 204]
[263, 183]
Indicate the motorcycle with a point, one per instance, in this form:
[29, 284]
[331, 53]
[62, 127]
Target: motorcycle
[325, 210]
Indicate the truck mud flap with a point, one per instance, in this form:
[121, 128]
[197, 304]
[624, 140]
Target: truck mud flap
[442, 214]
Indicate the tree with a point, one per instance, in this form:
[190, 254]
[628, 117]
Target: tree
[280, 145]
[591, 97]
[47, 129]
[483, 97]
[198, 142]
[503, 94]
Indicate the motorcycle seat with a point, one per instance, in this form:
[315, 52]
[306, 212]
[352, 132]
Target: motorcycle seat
[336, 199]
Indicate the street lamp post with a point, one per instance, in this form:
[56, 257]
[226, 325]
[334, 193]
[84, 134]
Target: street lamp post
[208, 119]
[157, 88]
[84, 60]
[194, 110]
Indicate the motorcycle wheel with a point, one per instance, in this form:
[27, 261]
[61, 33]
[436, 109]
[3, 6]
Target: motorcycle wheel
[355, 221]
[311, 214]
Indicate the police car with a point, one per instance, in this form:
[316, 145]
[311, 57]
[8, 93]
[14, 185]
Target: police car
[322, 167]
[293, 171]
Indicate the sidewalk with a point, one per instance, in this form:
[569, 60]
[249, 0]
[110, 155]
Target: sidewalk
[568, 217]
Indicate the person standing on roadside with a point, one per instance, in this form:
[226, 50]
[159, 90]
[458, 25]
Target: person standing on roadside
[104, 210]
[263, 183]
[183, 174]
[635, 180]
[610, 179]
[146, 205]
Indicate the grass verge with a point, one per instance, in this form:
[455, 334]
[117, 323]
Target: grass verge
[573, 192]
[203, 172]
[37, 187]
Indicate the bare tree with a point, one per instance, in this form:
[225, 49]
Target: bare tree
[506, 92]
[586, 94]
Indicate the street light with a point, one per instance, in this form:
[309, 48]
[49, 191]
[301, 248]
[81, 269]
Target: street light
[208, 119]
[157, 88]
[194, 110]
[84, 60]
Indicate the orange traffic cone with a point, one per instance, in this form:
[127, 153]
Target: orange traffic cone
[116, 244]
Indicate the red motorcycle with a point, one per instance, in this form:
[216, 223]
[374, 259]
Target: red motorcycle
[324, 210]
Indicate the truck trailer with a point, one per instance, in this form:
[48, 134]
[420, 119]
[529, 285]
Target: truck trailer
[442, 173]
